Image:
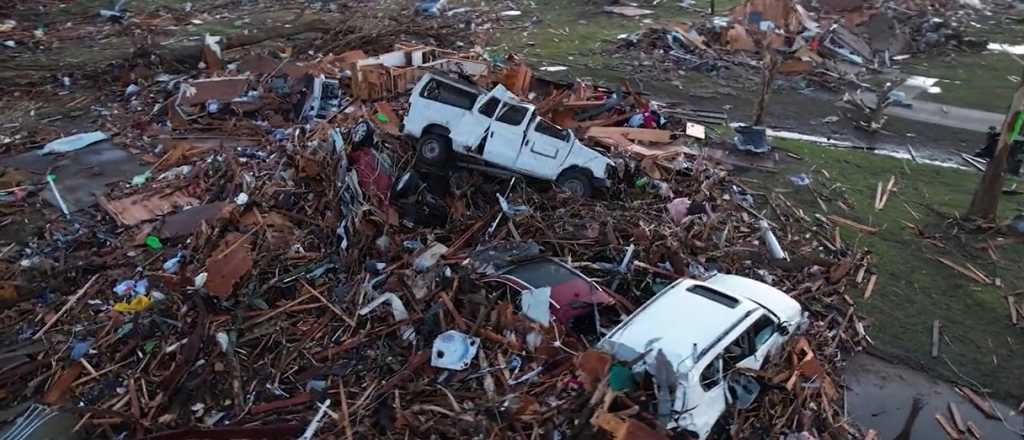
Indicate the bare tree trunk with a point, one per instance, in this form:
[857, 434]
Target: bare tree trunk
[985, 202]
[769, 65]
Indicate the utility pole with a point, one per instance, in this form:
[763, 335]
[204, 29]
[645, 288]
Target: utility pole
[985, 202]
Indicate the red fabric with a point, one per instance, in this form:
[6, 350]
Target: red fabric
[373, 180]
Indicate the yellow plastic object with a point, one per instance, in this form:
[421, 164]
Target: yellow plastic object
[138, 304]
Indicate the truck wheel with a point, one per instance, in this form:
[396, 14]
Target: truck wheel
[434, 150]
[577, 182]
[362, 134]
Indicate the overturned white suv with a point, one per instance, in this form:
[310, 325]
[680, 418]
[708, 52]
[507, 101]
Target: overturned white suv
[692, 336]
[496, 132]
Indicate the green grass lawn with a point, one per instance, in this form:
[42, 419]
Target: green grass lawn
[914, 289]
[577, 33]
[979, 81]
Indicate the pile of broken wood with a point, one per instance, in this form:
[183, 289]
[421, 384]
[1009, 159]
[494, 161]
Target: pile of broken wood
[294, 295]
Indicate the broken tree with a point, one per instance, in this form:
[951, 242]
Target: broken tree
[985, 202]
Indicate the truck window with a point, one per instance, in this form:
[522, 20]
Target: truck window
[711, 376]
[762, 331]
[548, 129]
[512, 114]
[440, 91]
[748, 342]
[489, 107]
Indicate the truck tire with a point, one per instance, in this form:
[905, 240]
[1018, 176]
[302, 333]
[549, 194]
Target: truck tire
[577, 182]
[362, 134]
[434, 150]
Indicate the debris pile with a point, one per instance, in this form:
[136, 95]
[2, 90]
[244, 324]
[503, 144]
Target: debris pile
[282, 264]
[837, 40]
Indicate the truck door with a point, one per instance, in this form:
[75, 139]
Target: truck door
[505, 137]
[546, 148]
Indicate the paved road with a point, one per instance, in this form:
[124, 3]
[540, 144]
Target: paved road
[941, 114]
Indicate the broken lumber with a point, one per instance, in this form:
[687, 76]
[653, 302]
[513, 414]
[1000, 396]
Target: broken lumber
[983, 405]
[633, 134]
[885, 194]
[976, 276]
[957, 420]
[871, 286]
[974, 430]
[1011, 301]
[952, 433]
[936, 329]
[852, 224]
[878, 196]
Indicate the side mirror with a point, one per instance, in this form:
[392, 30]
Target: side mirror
[782, 329]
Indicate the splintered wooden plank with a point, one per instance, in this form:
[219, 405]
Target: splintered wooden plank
[1013, 309]
[871, 286]
[978, 402]
[852, 224]
[952, 433]
[975, 432]
[957, 420]
[967, 273]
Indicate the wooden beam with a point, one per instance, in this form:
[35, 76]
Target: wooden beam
[983, 405]
[952, 433]
[969, 274]
[871, 286]
[852, 224]
[936, 329]
[957, 420]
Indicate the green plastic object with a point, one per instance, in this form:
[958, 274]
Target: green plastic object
[620, 378]
[154, 243]
[1017, 125]
[382, 118]
[641, 182]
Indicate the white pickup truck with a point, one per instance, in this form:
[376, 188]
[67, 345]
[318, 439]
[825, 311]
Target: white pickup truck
[457, 121]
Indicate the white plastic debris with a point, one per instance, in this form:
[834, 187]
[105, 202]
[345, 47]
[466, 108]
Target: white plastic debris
[75, 142]
[398, 312]
[774, 249]
[429, 258]
[175, 172]
[172, 265]
[223, 341]
[242, 199]
[314, 425]
[511, 210]
[199, 281]
[56, 194]
[213, 42]
[131, 90]
[453, 350]
[536, 305]
[132, 287]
